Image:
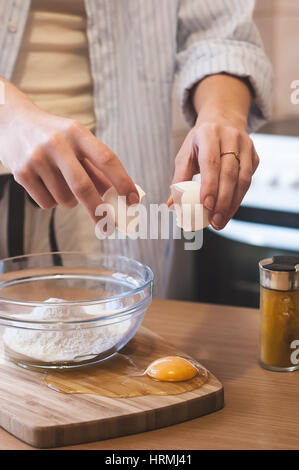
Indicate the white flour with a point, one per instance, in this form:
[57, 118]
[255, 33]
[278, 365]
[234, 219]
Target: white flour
[52, 346]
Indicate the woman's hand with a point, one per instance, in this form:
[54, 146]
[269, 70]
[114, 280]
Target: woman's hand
[225, 180]
[222, 103]
[57, 160]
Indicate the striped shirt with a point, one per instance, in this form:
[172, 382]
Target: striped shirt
[137, 50]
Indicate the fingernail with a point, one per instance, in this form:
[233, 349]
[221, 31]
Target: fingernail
[132, 198]
[209, 203]
[218, 221]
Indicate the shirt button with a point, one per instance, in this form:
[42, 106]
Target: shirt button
[13, 26]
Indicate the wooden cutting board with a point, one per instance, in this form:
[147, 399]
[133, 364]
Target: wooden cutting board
[45, 418]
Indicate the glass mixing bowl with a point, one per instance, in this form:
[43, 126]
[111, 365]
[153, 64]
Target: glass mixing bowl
[66, 310]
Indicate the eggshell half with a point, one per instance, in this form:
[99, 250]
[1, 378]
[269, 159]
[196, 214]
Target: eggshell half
[125, 223]
[190, 213]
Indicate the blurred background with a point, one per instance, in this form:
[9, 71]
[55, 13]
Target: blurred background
[225, 270]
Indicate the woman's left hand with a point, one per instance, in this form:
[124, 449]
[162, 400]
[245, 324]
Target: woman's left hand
[225, 179]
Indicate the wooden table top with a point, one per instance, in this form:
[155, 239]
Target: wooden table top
[261, 410]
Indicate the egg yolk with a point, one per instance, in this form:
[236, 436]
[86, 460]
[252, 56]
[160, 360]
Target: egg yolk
[171, 369]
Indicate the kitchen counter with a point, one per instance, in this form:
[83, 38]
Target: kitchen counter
[261, 409]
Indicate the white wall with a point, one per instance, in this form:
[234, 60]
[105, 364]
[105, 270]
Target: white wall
[278, 22]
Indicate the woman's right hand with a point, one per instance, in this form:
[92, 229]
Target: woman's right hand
[57, 160]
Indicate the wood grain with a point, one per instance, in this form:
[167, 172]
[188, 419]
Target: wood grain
[46, 418]
[123, 375]
[261, 407]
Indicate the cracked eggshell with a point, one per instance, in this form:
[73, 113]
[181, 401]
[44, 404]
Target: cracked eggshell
[190, 213]
[121, 218]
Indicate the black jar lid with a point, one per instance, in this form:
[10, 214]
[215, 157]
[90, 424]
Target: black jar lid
[280, 273]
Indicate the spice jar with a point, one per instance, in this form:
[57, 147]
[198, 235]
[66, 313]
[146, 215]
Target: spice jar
[279, 304]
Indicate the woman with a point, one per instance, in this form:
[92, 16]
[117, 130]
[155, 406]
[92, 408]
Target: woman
[88, 88]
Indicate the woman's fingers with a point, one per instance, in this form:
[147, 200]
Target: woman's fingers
[71, 175]
[241, 180]
[54, 181]
[59, 189]
[227, 183]
[249, 162]
[229, 141]
[80, 184]
[186, 164]
[255, 160]
[36, 189]
[224, 179]
[100, 181]
[102, 157]
[207, 143]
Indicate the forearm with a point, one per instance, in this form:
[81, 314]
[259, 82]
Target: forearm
[6, 105]
[17, 105]
[223, 99]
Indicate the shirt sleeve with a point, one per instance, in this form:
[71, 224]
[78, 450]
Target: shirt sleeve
[216, 36]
